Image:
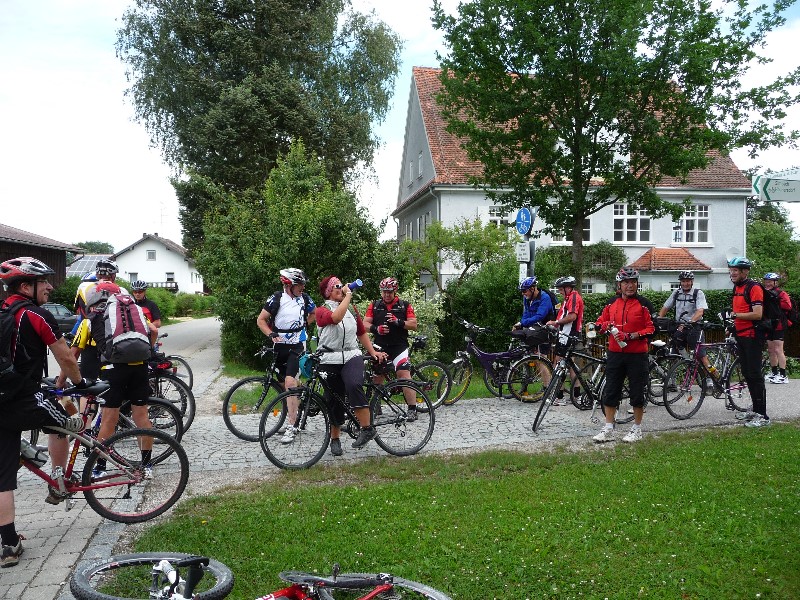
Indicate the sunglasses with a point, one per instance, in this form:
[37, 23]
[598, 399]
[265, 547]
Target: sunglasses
[338, 286]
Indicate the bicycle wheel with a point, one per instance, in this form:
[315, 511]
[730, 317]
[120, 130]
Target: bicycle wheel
[736, 392]
[434, 378]
[402, 589]
[394, 432]
[181, 368]
[173, 389]
[130, 577]
[685, 390]
[525, 378]
[311, 438]
[244, 403]
[549, 395]
[163, 417]
[120, 493]
[461, 373]
[586, 388]
[625, 410]
[657, 375]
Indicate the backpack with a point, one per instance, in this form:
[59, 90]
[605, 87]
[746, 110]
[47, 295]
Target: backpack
[793, 314]
[11, 381]
[772, 312]
[273, 305]
[126, 336]
[554, 300]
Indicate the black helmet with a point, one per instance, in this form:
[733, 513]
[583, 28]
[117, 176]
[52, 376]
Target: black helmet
[106, 267]
[564, 281]
[685, 275]
[139, 285]
[626, 273]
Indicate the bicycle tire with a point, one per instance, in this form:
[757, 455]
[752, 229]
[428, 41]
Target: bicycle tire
[244, 403]
[125, 500]
[625, 409]
[173, 389]
[163, 417]
[525, 378]
[181, 368]
[403, 589]
[658, 373]
[433, 372]
[590, 379]
[137, 572]
[549, 395]
[737, 393]
[393, 431]
[309, 444]
[686, 389]
[461, 374]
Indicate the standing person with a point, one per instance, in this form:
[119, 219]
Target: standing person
[284, 319]
[537, 308]
[627, 320]
[340, 330]
[690, 306]
[777, 359]
[748, 306]
[36, 330]
[569, 320]
[389, 320]
[150, 308]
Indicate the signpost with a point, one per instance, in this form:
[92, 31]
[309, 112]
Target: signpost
[783, 186]
[525, 251]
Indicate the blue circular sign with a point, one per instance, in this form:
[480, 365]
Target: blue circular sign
[524, 221]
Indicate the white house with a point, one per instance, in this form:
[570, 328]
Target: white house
[161, 263]
[435, 186]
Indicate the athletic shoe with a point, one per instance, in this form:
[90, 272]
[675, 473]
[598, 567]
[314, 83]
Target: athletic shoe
[336, 447]
[779, 379]
[758, 421]
[770, 377]
[74, 424]
[148, 472]
[745, 415]
[411, 414]
[364, 436]
[289, 435]
[630, 410]
[559, 401]
[605, 435]
[54, 496]
[98, 473]
[10, 554]
[634, 435]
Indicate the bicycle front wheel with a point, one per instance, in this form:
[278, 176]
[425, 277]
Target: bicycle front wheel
[685, 389]
[130, 577]
[396, 431]
[118, 493]
[163, 417]
[525, 378]
[549, 395]
[402, 589]
[244, 403]
[310, 423]
[174, 390]
[461, 373]
[658, 374]
[736, 391]
[434, 378]
[181, 368]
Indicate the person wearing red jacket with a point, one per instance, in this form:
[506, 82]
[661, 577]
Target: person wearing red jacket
[626, 318]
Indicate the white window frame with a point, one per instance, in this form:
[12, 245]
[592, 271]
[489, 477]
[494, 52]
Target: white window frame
[567, 239]
[587, 288]
[419, 165]
[133, 276]
[151, 254]
[695, 217]
[629, 225]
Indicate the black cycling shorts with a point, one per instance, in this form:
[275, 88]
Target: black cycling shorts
[620, 365]
[128, 382]
[776, 335]
[287, 360]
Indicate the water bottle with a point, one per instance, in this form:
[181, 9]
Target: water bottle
[591, 332]
[614, 331]
[355, 284]
[36, 455]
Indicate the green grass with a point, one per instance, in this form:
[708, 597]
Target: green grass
[705, 514]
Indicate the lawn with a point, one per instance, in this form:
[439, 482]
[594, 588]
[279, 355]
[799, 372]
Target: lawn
[704, 514]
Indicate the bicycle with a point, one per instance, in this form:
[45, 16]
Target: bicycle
[180, 366]
[118, 493]
[171, 388]
[496, 365]
[395, 432]
[247, 398]
[432, 375]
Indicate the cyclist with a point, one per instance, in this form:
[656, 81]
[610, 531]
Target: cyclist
[149, 308]
[748, 306]
[340, 330]
[284, 319]
[569, 320]
[537, 307]
[630, 314]
[389, 320]
[24, 405]
[777, 359]
[690, 304]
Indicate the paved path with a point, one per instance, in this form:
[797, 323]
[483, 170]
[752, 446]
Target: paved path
[57, 540]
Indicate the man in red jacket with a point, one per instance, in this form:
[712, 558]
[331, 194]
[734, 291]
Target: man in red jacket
[627, 320]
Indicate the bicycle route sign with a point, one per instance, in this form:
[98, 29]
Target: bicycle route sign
[783, 186]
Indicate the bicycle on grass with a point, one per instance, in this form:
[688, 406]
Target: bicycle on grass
[118, 493]
[396, 433]
[496, 368]
[180, 366]
[432, 375]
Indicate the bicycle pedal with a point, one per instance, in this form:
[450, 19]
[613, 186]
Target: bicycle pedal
[69, 503]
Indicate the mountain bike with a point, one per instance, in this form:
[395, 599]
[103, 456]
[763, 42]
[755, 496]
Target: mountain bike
[432, 375]
[496, 366]
[171, 388]
[396, 433]
[118, 493]
[180, 366]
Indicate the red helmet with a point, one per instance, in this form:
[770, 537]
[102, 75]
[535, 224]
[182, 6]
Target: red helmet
[389, 285]
[23, 268]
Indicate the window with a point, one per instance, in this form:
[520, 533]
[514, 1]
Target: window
[170, 276]
[151, 255]
[587, 288]
[630, 224]
[568, 237]
[419, 165]
[693, 226]
[410, 172]
[133, 277]
[499, 216]
[408, 230]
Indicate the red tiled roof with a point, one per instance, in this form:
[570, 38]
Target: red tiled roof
[453, 166]
[669, 259]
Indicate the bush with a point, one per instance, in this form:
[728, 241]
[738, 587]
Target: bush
[65, 293]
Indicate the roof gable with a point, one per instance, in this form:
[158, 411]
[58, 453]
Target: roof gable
[168, 244]
[669, 259]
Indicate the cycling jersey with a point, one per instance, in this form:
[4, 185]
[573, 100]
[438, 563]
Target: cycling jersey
[571, 304]
[37, 329]
[378, 311]
[686, 303]
[629, 315]
[741, 305]
[150, 309]
[290, 316]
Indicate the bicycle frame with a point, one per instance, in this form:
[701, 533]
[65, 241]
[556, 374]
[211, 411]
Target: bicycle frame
[494, 363]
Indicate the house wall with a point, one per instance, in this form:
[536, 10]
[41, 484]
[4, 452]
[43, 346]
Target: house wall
[166, 261]
[417, 171]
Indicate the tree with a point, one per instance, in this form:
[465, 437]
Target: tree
[771, 247]
[224, 88]
[769, 212]
[572, 105]
[95, 247]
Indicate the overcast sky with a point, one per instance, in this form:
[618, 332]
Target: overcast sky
[71, 154]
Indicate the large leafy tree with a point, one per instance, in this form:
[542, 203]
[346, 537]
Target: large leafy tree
[224, 88]
[573, 104]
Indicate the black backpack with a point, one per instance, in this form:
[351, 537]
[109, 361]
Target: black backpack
[10, 380]
[554, 300]
[793, 314]
[273, 305]
[772, 313]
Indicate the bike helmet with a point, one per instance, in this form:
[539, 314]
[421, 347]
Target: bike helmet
[101, 293]
[24, 268]
[292, 276]
[626, 273]
[740, 262]
[569, 280]
[389, 284]
[527, 283]
[89, 277]
[685, 275]
[106, 267]
[772, 276]
[138, 285]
